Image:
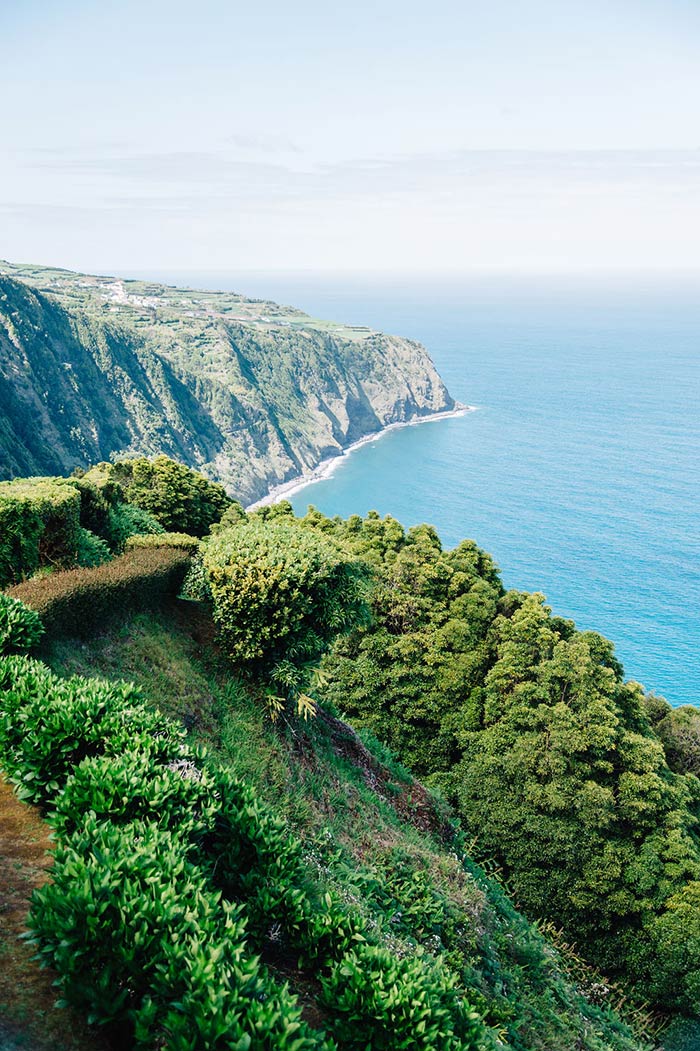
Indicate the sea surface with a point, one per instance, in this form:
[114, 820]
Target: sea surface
[579, 471]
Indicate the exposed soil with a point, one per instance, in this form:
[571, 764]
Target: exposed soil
[28, 1018]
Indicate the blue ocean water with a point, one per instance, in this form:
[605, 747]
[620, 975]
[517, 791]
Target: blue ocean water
[580, 469]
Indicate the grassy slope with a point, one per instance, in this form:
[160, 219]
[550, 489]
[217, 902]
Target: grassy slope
[361, 818]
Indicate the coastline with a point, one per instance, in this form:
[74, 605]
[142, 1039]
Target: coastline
[326, 468]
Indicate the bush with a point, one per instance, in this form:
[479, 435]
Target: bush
[175, 794]
[96, 501]
[280, 593]
[20, 626]
[39, 526]
[182, 541]
[383, 1003]
[82, 602]
[674, 971]
[182, 500]
[259, 862]
[231, 517]
[136, 937]
[92, 550]
[49, 725]
[679, 732]
[126, 521]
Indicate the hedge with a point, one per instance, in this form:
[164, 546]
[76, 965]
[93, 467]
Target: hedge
[183, 541]
[80, 602]
[39, 525]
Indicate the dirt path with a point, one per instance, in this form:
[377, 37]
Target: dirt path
[28, 1019]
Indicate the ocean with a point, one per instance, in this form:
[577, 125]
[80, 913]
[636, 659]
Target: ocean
[579, 471]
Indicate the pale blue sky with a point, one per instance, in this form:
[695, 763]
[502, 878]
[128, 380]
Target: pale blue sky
[390, 136]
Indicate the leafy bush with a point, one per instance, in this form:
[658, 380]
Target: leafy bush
[81, 602]
[674, 966]
[136, 937]
[176, 794]
[183, 541]
[679, 732]
[91, 550]
[257, 860]
[382, 1003]
[196, 584]
[39, 526]
[20, 626]
[49, 725]
[182, 500]
[280, 593]
[125, 521]
[231, 517]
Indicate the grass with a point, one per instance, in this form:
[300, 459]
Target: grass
[370, 832]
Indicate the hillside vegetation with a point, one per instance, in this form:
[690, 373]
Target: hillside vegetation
[251, 393]
[236, 867]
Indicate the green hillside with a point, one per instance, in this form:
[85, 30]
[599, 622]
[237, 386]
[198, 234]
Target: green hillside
[236, 866]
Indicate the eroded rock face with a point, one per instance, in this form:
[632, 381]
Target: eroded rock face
[249, 392]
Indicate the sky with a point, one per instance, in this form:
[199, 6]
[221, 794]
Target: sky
[536, 136]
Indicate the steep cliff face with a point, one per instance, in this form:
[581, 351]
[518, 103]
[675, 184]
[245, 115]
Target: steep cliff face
[249, 392]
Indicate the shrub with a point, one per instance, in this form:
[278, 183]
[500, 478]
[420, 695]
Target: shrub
[81, 602]
[674, 971]
[679, 731]
[181, 499]
[126, 521]
[91, 550]
[49, 725]
[175, 793]
[383, 1003]
[280, 593]
[39, 525]
[96, 502]
[136, 937]
[20, 626]
[231, 517]
[182, 541]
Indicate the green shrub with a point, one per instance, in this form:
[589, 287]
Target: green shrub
[182, 500]
[183, 541]
[91, 550]
[176, 794]
[136, 937]
[126, 521]
[39, 526]
[382, 1003]
[20, 626]
[48, 725]
[679, 732]
[23, 676]
[96, 502]
[231, 517]
[280, 593]
[196, 584]
[674, 966]
[82, 602]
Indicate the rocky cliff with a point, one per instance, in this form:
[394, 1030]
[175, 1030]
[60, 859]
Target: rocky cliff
[249, 392]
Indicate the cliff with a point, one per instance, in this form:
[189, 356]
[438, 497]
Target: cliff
[249, 392]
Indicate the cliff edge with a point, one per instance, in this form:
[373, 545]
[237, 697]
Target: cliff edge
[249, 392]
